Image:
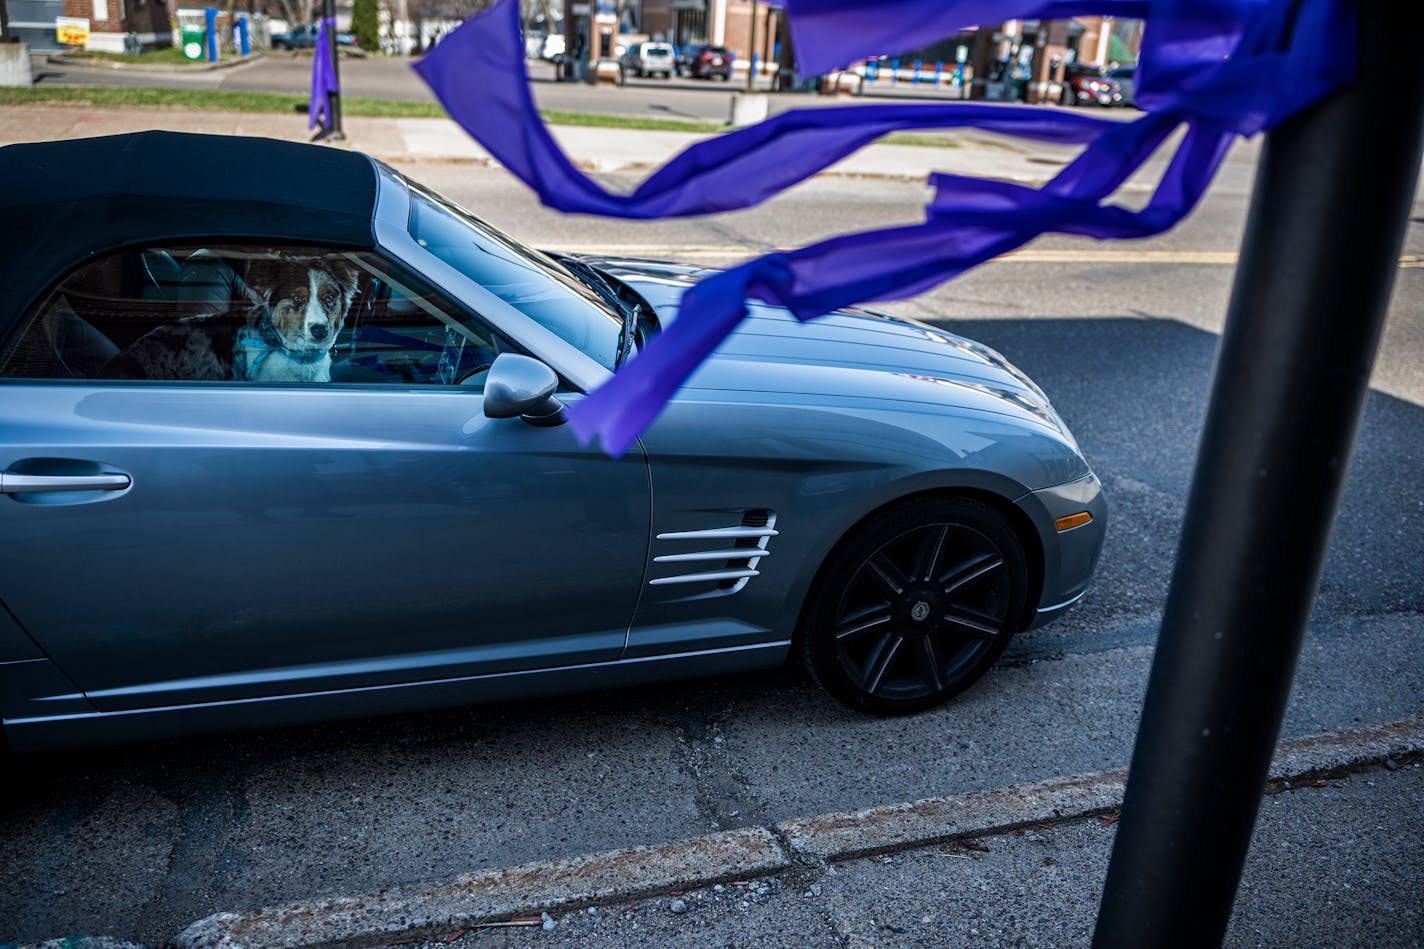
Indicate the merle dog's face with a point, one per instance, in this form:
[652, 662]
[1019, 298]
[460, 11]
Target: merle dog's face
[307, 298]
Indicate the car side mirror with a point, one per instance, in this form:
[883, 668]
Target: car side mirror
[519, 385]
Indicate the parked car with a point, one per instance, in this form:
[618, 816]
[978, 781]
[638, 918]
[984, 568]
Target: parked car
[1126, 79]
[302, 456]
[705, 62]
[649, 59]
[1086, 84]
[543, 46]
[304, 37]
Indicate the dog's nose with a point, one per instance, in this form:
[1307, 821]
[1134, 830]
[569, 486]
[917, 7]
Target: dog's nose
[320, 330]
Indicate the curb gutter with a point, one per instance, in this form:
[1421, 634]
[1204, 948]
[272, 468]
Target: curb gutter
[404, 912]
[79, 62]
[380, 918]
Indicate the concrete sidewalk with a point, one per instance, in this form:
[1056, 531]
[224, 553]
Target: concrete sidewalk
[1040, 885]
[593, 149]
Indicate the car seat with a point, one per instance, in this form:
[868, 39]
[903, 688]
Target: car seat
[211, 283]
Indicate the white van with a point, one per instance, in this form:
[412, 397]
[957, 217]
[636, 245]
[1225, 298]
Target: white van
[649, 59]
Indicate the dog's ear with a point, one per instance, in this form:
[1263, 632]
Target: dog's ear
[261, 279]
[353, 281]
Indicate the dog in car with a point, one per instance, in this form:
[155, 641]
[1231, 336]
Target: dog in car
[284, 333]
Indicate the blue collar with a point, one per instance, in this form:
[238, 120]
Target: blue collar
[267, 341]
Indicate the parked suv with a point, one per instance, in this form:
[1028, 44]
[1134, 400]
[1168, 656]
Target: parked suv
[705, 62]
[649, 59]
[1086, 84]
[1126, 79]
[304, 37]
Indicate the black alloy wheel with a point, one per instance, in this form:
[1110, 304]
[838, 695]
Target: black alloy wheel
[916, 605]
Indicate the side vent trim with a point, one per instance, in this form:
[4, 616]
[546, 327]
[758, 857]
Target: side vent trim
[700, 555]
[720, 533]
[706, 577]
[740, 557]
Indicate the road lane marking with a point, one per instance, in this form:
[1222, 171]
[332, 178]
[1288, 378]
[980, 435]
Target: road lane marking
[1031, 256]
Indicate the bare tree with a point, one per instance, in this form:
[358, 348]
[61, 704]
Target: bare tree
[297, 12]
[538, 14]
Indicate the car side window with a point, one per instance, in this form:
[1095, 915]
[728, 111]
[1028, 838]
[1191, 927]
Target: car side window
[246, 314]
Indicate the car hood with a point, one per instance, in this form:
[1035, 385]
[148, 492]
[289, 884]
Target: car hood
[850, 353]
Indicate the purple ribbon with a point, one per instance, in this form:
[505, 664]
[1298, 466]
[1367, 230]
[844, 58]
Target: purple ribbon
[323, 77]
[478, 74]
[1221, 67]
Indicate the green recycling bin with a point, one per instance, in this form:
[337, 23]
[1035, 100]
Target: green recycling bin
[193, 38]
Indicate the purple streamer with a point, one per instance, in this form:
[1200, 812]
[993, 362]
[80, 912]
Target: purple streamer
[1221, 67]
[971, 221]
[830, 34]
[479, 76]
[323, 77]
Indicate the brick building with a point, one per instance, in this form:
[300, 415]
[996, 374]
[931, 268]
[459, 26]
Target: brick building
[719, 22]
[1030, 55]
[111, 22]
[1026, 59]
[1015, 58]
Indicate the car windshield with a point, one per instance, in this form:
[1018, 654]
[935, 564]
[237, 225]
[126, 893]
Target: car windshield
[520, 276]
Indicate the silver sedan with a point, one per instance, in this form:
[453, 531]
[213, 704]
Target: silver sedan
[281, 448]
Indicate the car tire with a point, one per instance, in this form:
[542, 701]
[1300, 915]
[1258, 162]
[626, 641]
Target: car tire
[915, 605]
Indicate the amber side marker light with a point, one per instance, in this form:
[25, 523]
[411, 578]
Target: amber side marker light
[1072, 521]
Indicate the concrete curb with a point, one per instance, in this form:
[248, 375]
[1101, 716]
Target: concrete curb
[935, 820]
[379, 918]
[79, 62]
[615, 876]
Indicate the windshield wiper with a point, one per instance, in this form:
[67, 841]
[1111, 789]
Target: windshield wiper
[627, 333]
[627, 312]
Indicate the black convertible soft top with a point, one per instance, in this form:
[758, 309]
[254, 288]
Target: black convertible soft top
[64, 202]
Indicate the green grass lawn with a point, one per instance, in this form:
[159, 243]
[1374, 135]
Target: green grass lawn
[207, 100]
[167, 56]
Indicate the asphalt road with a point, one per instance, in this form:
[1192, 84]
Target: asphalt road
[378, 77]
[137, 842]
[1038, 887]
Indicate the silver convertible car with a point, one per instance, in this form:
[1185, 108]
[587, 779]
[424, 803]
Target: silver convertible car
[286, 443]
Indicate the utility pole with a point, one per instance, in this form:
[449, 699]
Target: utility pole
[751, 52]
[333, 99]
[1318, 261]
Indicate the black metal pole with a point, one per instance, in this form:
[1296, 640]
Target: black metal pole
[333, 114]
[1333, 192]
[752, 52]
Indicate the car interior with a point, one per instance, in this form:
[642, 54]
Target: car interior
[393, 332]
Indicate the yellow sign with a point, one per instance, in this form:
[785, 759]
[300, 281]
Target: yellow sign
[71, 30]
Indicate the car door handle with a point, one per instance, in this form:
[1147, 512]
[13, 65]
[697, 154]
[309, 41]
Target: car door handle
[12, 483]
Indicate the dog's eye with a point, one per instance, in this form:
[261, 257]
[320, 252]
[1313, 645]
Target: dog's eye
[328, 297]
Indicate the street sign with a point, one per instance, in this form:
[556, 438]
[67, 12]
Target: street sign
[71, 30]
[580, 9]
